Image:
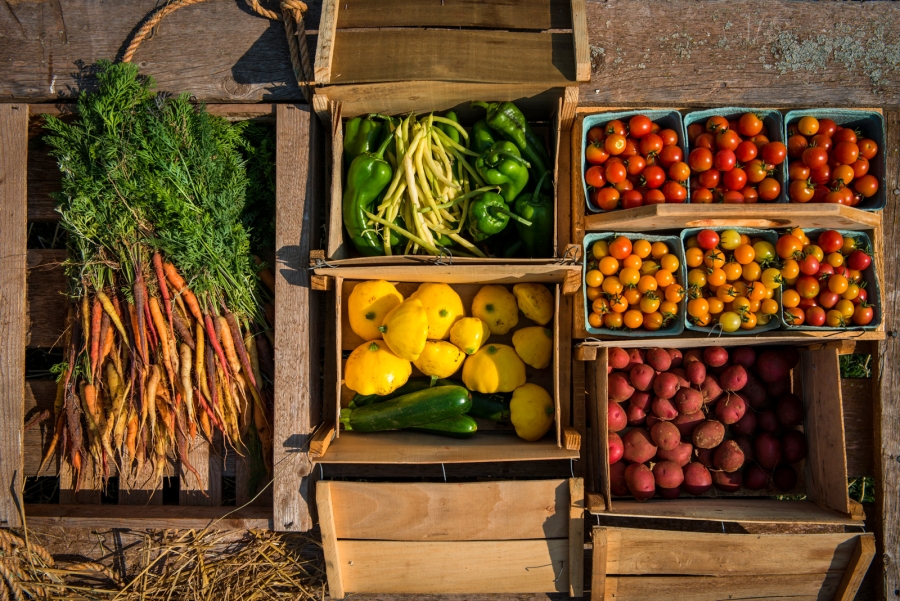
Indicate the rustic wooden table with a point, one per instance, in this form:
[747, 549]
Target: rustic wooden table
[678, 53]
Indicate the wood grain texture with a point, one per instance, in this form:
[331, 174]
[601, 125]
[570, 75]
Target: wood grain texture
[13, 215]
[333, 564]
[296, 378]
[487, 471]
[325, 48]
[524, 14]
[47, 304]
[684, 53]
[445, 512]
[580, 41]
[690, 339]
[793, 587]
[150, 516]
[857, 397]
[576, 537]
[39, 396]
[598, 564]
[208, 491]
[862, 556]
[527, 566]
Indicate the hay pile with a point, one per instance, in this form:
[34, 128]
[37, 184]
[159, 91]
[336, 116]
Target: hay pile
[186, 564]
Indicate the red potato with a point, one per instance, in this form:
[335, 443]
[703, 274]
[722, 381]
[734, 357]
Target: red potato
[616, 417]
[727, 481]
[617, 484]
[665, 385]
[784, 478]
[754, 392]
[688, 400]
[641, 400]
[766, 450]
[642, 376]
[651, 420]
[715, 356]
[696, 372]
[704, 457]
[669, 493]
[618, 388]
[767, 421]
[789, 411]
[668, 474]
[743, 355]
[635, 357]
[778, 387]
[681, 454]
[618, 358]
[639, 446]
[710, 389]
[681, 375]
[686, 422]
[746, 425]
[697, 479]
[659, 359]
[734, 378]
[728, 456]
[731, 408]
[709, 434]
[746, 447]
[636, 415]
[665, 435]
[773, 365]
[693, 354]
[755, 477]
[616, 448]
[793, 446]
[664, 409]
[640, 481]
[677, 357]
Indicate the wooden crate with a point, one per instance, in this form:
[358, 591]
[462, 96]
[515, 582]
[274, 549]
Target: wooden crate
[441, 57]
[34, 309]
[523, 536]
[631, 564]
[822, 478]
[335, 446]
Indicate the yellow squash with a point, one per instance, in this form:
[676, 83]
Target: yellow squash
[469, 333]
[531, 412]
[373, 369]
[535, 301]
[534, 345]
[440, 359]
[494, 368]
[443, 307]
[405, 329]
[368, 304]
[496, 306]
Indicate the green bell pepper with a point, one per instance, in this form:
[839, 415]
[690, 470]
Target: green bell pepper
[482, 137]
[538, 209]
[487, 216]
[362, 135]
[508, 120]
[502, 165]
[367, 179]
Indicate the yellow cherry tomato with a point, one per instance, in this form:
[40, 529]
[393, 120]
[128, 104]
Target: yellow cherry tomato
[629, 276]
[770, 292]
[669, 263]
[846, 307]
[741, 288]
[755, 305]
[668, 309]
[650, 302]
[816, 251]
[664, 278]
[715, 305]
[771, 278]
[769, 307]
[726, 293]
[691, 242]
[730, 321]
[674, 293]
[632, 295]
[763, 318]
[653, 321]
[790, 299]
[756, 291]
[698, 307]
[851, 292]
[633, 319]
[600, 249]
[765, 251]
[745, 239]
[838, 284]
[697, 277]
[748, 321]
[642, 248]
[647, 283]
[716, 277]
[693, 257]
[703, 320]
[593, 278]
[714, 257]
[613, 320]
[751, 271]
[632, 261]
[600, 305]
[835, 319]
[593, 292]
[729, 239]
[733, 271]
[612, 285]
[658, 250]
[649, 268]
[608, 265]
[740, 304]
[798, 233]
[618, 304]
[854, 275]
[790, 270]
[596, 320]
[744, 253]
[835, 259]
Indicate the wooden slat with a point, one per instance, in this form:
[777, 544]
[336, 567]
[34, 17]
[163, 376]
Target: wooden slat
[459, 274]
[690, 339]
[137, 488]
[513, 510]
[453, 55]
[862, 556]
[731, 509]
[634, 551]
[414, 447]
[488, 471]
[523, 14]
[105, 517]
[526, 566]
[208, 491]
[325, 48]
[44, 178]
[39, 396]
[296, 380]
[581, 42]
[856, 395]
[47, 304]
[824, 428]
[333, 563]
[599, 416]
[794, 587]
[598, 564]
[13, 209]
[576, 537]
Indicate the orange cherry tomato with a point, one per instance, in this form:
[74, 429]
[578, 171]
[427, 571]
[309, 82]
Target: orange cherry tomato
[593, 278]
[620, 247]
[744, 254]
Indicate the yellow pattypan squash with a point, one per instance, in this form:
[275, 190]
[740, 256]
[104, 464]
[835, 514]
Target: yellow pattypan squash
[373, 369]
[443, 307]
[531, 412]
[440, 359]
[368, 304]
[535, 301]
[405, 329]
[494, 368]
[534, 345]
[469, 333]
[496, 306]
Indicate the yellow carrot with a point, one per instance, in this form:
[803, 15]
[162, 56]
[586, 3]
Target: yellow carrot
[188, 390]
[113, 315]
[150, 401]
[163, 333]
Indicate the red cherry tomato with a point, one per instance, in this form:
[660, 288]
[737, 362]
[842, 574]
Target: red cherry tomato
[787, 246]
[653, 175]
[624, 185]
[863, 316]
[835, 197]
[709, 179]
[867, 185]
[774, 153]
[707, 239]
[639, 126]
[820, 176]
[694, 130]
[700, 159]
[746, 151]
[798, 170]
[714, 124]
[858, 260]
[702, 196]
[595, 176]
[595, 135]
[760, 141]
[669, 137]
[724, 160]
[750, 195]
[860, 167]
[825, 271]
[632, 199]
[846, 152]
[670, 155]
[828, 299]
[769, 189]
[733, 197]
[616, 172]
[815, 316]
[809, 265]
[615, 144]
[679, 171]
[807, 286]
[735, 179]
[635, 164]
[728, 139]
[607, 199]
[631, 148]
[705, 140]
[830, 241]
[756, 171]
[616, 127]
[801, 191]
[822, 142]
[845, 134]
[861, 297]
[815, 157]
[674, 192]
[867, 148]
[796, 145]
[750, 124]
[827, 127]
[654, 197]
[651, 144]
[596, 154]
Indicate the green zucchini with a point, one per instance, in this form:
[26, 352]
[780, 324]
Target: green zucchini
[461, 426]
[494, 407]
[413, 409]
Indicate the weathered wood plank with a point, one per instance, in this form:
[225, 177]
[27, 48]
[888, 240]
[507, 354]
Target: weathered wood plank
[523, 14]
[151, 516]
[47, 304]
[792, 587]
[576, 537]
[858, 426]
[857, 568]
[296, 380]
[39, 396]
[13, 216]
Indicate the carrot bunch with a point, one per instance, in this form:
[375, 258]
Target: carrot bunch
[167, 334]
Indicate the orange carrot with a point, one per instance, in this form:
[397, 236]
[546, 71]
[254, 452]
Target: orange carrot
[227, 340]
[139, 342]
[112, 309]
[179, 284]
[187, 388]
[85, 318]
[140, 306]
[96, 320]
[163, 289]
[239, 346]
[214, 341]
[157, 318]
[60, 424]
[150, 401]
[106, 334]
